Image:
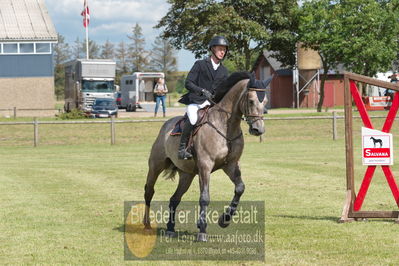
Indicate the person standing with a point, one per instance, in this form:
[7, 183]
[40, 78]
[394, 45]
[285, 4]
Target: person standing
[394, 79]
[160, 91]
[200, 83]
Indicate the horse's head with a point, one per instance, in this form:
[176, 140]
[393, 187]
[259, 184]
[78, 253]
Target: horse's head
[253, 105]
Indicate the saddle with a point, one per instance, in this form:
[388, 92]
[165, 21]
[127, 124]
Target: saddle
[202, 118]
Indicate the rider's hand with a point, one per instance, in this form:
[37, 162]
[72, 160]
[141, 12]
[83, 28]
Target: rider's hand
[207, 94]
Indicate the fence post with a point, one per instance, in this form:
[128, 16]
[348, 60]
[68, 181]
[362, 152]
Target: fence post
[112, 130]
[334, 125]
[15, 112]
[35, 132]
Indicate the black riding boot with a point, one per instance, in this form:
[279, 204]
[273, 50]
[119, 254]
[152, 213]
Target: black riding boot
[185, 135]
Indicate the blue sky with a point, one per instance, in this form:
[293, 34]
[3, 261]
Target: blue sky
[112, 20]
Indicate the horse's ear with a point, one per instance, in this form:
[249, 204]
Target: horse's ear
[252, 80]
[267, 81]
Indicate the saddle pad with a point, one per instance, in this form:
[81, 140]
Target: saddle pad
[178, 128]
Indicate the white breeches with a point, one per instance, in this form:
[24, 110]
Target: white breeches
[192, 111]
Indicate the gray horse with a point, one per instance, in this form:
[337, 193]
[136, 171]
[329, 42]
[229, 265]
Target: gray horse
[218, 144]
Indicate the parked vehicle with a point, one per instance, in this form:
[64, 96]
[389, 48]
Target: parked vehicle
[104, 107]
[87, 80]
[138, 88]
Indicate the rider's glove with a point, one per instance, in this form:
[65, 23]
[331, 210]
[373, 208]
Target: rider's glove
[207, 94]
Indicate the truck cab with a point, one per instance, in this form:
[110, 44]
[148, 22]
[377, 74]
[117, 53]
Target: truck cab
[93, 89]
[87, 80]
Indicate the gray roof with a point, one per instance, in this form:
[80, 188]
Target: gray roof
[25, 20]
[276, 65]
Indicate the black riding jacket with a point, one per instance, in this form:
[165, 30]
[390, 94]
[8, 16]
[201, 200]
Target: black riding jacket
[202, 76]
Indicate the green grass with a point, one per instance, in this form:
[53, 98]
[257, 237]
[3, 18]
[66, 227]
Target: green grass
[62, 202]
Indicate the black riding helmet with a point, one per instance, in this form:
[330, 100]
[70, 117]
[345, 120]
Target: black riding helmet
[219, 40]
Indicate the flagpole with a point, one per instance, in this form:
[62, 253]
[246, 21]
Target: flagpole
[87, 33]
[87, 40]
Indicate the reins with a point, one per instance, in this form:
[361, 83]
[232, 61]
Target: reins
[246, 114]
[221, 133]
[248, 117]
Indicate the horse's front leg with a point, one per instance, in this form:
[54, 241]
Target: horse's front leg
[204, 175]
[234, 172]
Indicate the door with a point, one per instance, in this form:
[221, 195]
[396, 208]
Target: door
[329, 95]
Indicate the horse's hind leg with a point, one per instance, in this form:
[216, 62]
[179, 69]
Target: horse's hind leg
[156, 166]
[185, 180]
[234, 172]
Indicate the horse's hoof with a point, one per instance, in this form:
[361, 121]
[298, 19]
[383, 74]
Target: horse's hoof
[147, 227]
[202, 237]
[171, 234]
[224, 220]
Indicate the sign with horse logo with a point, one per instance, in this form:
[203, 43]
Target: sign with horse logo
[377, 147]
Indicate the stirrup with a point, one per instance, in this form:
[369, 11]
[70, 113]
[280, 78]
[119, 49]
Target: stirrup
[184, 155]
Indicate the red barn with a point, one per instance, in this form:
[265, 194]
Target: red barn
[283, 90]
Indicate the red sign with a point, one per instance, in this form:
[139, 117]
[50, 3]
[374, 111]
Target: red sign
[377, 153]
[374, 103]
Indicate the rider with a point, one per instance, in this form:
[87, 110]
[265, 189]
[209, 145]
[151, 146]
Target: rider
[200, 83]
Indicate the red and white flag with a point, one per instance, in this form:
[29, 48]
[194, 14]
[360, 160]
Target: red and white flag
[86, 14]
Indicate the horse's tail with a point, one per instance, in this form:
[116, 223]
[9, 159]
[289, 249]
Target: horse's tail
[170, 172]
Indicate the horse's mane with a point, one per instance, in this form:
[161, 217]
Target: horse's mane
[225, 85]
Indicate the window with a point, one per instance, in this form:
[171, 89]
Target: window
[10, 48]
[26, 48]
[42, 48]
[97, 86]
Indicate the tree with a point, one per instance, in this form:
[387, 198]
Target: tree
[62, 54]
[163, 59]
[107, 50]
[318, 29]
[361, 34]
[77, 51]
[137, 53]
[94, 49]
[180, 86]
[283, 20]
[122, 57]
[370, 35]
[245, 23]
[163, 56]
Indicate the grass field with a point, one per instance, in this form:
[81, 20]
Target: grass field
[62, 202]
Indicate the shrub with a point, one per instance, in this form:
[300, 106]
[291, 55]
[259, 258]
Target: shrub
[73, 114]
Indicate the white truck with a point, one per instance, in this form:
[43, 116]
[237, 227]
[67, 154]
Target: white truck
[138, 88]
[87, 80]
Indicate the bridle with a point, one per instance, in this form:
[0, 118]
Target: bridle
[248, 116]
[251, 118]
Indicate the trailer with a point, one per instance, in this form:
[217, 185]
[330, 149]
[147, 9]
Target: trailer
[138, 88]
[87, 80]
